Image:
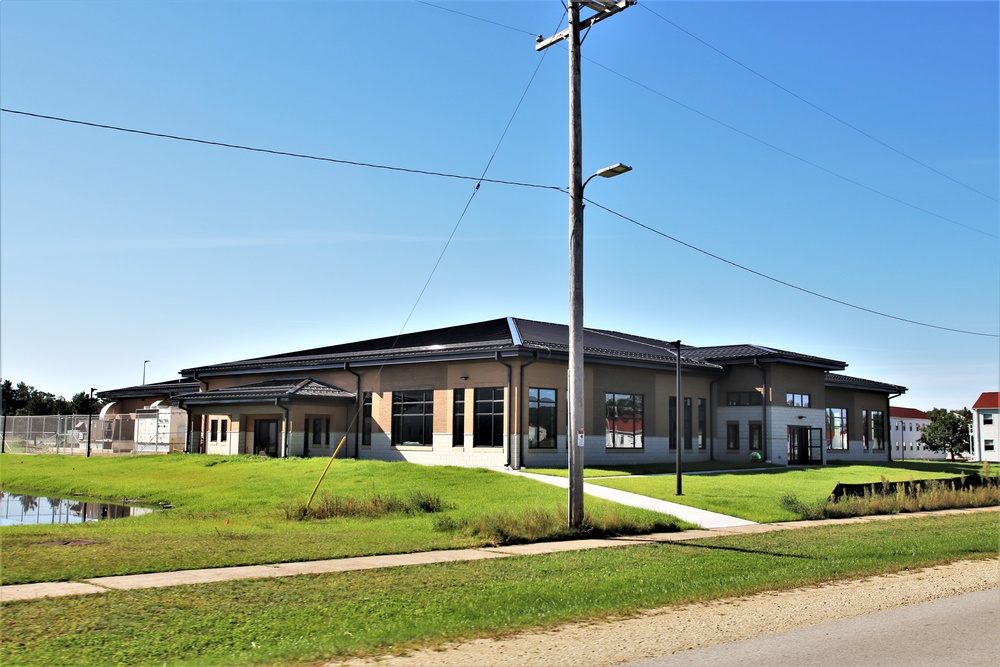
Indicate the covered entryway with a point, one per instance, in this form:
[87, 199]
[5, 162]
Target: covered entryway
[274, 418]
[805, 445]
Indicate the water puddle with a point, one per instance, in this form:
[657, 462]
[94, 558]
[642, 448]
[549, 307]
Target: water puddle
[19, 509]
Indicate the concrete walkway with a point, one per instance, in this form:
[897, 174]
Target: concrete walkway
[701, 518]
[187, 577]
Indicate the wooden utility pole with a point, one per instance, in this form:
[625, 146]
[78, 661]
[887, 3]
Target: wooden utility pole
[576, 436]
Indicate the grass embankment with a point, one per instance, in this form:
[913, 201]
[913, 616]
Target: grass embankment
[756, 495]
[234, 511]
[311, 619]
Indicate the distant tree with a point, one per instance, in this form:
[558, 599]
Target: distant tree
[948, 431]
[82, 404]
[23, 399]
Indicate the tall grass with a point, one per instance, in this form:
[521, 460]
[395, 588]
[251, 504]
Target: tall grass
[933, 496]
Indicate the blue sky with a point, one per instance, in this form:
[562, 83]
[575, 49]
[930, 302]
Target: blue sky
[847, 148]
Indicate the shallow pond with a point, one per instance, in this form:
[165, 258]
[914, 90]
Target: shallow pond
[19, 509]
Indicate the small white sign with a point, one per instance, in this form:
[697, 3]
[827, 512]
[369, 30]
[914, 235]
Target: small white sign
[579, 438]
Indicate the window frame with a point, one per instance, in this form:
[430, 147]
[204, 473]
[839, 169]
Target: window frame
[732, 436]
[482, 416]
[458, 417]
[793, 400]
[535, 407]
[421, 399]
[837, 421]
[613, 422]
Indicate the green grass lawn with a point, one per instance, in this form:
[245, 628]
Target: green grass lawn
[656, 469]
[755, 494]
[313, 619]
[231, 511]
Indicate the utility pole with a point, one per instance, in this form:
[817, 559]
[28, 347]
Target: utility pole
[677, 420]
[575, 437]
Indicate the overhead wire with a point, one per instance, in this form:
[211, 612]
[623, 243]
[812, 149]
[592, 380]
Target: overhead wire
[269, 151]
[815, 106]
[792, 155]
[481, 179]
[785, 283]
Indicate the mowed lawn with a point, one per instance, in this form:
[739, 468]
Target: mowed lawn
[232, 511]
[316, 619]
[756, 495]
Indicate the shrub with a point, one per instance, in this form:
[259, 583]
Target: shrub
[885, 498]
[535, 525]
[371, 506]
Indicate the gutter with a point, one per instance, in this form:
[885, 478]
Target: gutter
[520, 413]
[763, 408]
[359, 405]
[510, 406]
[888, 422]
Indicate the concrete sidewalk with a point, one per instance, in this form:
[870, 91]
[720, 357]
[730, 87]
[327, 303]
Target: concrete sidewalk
[188, 577]
[701, 518]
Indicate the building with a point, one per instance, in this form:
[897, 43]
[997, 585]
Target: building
[986, 427]
[907, 427]
[493, 394]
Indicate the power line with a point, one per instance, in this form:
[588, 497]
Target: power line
[790, 154]
[269, 151]
[475, 18]
[783, 282]
[482, 179]
[468, 203]
[817, 107]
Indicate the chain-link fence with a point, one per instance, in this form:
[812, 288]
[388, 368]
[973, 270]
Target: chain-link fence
[152, 432]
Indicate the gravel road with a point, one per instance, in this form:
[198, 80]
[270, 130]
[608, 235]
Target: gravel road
[673, 629]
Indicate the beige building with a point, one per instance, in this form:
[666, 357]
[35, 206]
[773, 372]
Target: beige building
[493, 394]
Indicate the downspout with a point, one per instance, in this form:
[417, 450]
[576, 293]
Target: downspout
[358, 404]
[283, 454]
[763, 407]
[888, 420]
[510, 406]
[520, 412]
[187, 436]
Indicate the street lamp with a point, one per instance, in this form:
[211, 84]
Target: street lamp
[144, 371]
[576, 440]
[575, 437]
[90, 418]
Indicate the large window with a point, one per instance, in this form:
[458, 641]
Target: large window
[458, 419]
[732, 435]
[542, 418]
[797, 400]
[366, 419]
[623, 421]
[988, 419]
[413, 417]
[836, 428]
[743, 398]
[672, 420]
[873, 429]
[319, 430]
[702, 422]
[688, 425]
[488, 429]
[756, 437]
[878, 429]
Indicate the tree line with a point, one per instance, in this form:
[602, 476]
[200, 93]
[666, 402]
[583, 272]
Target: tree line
[23, 399]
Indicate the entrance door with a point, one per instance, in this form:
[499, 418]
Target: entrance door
[805, 445]
[265, 437]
